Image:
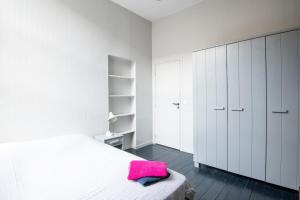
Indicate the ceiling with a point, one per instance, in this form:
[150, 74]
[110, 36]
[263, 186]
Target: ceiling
[156, 9]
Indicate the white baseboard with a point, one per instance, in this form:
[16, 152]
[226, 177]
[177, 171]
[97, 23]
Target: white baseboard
[143, 144]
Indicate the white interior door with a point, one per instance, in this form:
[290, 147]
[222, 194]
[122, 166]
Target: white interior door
[168, 104]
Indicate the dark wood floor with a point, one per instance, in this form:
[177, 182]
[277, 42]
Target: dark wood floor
[210, 183]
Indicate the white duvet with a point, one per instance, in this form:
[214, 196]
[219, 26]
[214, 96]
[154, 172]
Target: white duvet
[75, 167]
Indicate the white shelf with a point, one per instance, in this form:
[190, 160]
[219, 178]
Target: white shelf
[104, 137]
[124, 114]
[121, 77]
[125, 132]
[120, 96]
[115, 135]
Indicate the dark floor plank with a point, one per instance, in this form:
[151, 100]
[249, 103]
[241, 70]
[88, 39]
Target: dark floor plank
[247, 190]
[237, 188]
[209, 179]
[271, 193]
[226, 189]
[257, 192]
[217, 187]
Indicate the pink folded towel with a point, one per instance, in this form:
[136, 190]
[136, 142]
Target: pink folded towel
[139, 169]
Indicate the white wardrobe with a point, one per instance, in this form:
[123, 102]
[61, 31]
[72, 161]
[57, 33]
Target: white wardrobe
[246, 108]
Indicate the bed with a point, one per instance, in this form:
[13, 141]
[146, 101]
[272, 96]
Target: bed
[76, 167]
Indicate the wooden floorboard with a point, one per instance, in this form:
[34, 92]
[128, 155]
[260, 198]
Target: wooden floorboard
[210, 183]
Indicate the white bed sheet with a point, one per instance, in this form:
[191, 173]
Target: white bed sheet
[76, 167]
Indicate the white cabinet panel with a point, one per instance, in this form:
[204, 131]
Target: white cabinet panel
[211, 93]
[283, 109]
[200, 121]
[221, 80]
[259, 123]
[233, 104]
[290, 101]
[245, 82]
[273, 103]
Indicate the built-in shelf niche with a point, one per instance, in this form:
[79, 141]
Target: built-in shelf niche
[121, 105]
[122, 90]
[121, 86]
[124, 124]
[120, 67]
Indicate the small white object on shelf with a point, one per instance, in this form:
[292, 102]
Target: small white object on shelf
[120, 77]
[125, 114]
[120, 95]
[111, 119]
[109, 134]
[126, 132]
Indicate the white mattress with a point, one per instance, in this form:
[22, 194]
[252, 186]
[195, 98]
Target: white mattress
[76, 167]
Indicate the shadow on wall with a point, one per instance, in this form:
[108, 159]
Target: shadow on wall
[52, 70]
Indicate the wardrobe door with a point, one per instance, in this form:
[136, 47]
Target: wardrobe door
[200, 107]
[233, 108]
[247, 108]
[210, 102]
[290, 101]
[221, 107]
[245, 84]
[211, 93]
[259, 108]
[283, 109]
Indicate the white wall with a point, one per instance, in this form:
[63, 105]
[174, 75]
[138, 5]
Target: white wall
[215, 22]
[53, 66]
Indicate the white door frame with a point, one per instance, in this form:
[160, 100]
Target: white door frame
[155, 63]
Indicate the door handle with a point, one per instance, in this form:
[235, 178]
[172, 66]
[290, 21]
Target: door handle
[238, 109]
[176, 104]
[219, 108]
[280, 111]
